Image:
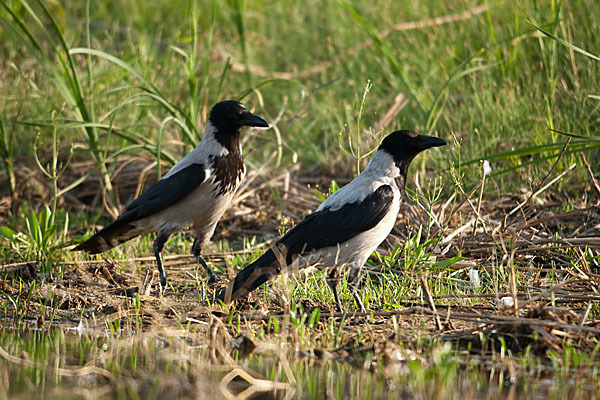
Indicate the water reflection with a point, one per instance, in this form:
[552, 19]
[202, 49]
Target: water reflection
[70, 364]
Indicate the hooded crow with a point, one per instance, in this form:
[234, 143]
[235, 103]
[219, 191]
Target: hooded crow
[192, 196]
[347, 227]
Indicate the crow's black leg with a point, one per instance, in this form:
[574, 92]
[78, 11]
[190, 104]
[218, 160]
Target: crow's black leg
[159, 245]
[197, 249]
[354, 281]
[211, 275]
[332, 281]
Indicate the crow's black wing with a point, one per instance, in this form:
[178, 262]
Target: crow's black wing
[328, 228]
[165, 193]
[159, 196]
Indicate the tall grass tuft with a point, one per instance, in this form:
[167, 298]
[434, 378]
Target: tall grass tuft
[188, 117]
[7, 147]
[58, 63]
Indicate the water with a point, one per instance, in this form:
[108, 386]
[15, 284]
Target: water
[69, 364]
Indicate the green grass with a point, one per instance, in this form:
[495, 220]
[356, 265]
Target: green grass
[492, 80]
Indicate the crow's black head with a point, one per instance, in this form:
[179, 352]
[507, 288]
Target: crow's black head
[404, 145]
[230, 116]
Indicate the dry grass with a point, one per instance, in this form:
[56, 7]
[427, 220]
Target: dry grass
[528, 247]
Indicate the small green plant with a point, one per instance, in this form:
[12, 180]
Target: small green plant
[53, 170]
[7, 146]
[333, 187]
[355, 147]
[42, 240]
[137, 306]
[19, 302]
[44, 234]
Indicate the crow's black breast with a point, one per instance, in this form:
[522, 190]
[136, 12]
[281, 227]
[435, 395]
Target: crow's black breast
[228, 170]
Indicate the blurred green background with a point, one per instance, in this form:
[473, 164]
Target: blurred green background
[138, 78]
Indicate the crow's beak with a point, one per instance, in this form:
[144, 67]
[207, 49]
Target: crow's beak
[427, 142]
[249, 119]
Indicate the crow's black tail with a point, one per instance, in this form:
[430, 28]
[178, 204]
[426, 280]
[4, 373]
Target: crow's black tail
[251, 277]
[110, 236]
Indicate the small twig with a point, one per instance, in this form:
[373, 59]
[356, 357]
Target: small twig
[562, 152]
[429, 298]
[459, 206]
[591, 174]
[585, 314]
[537, 192]
[400, 101]
[541, 182]
[458, 231]
[256, 385]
